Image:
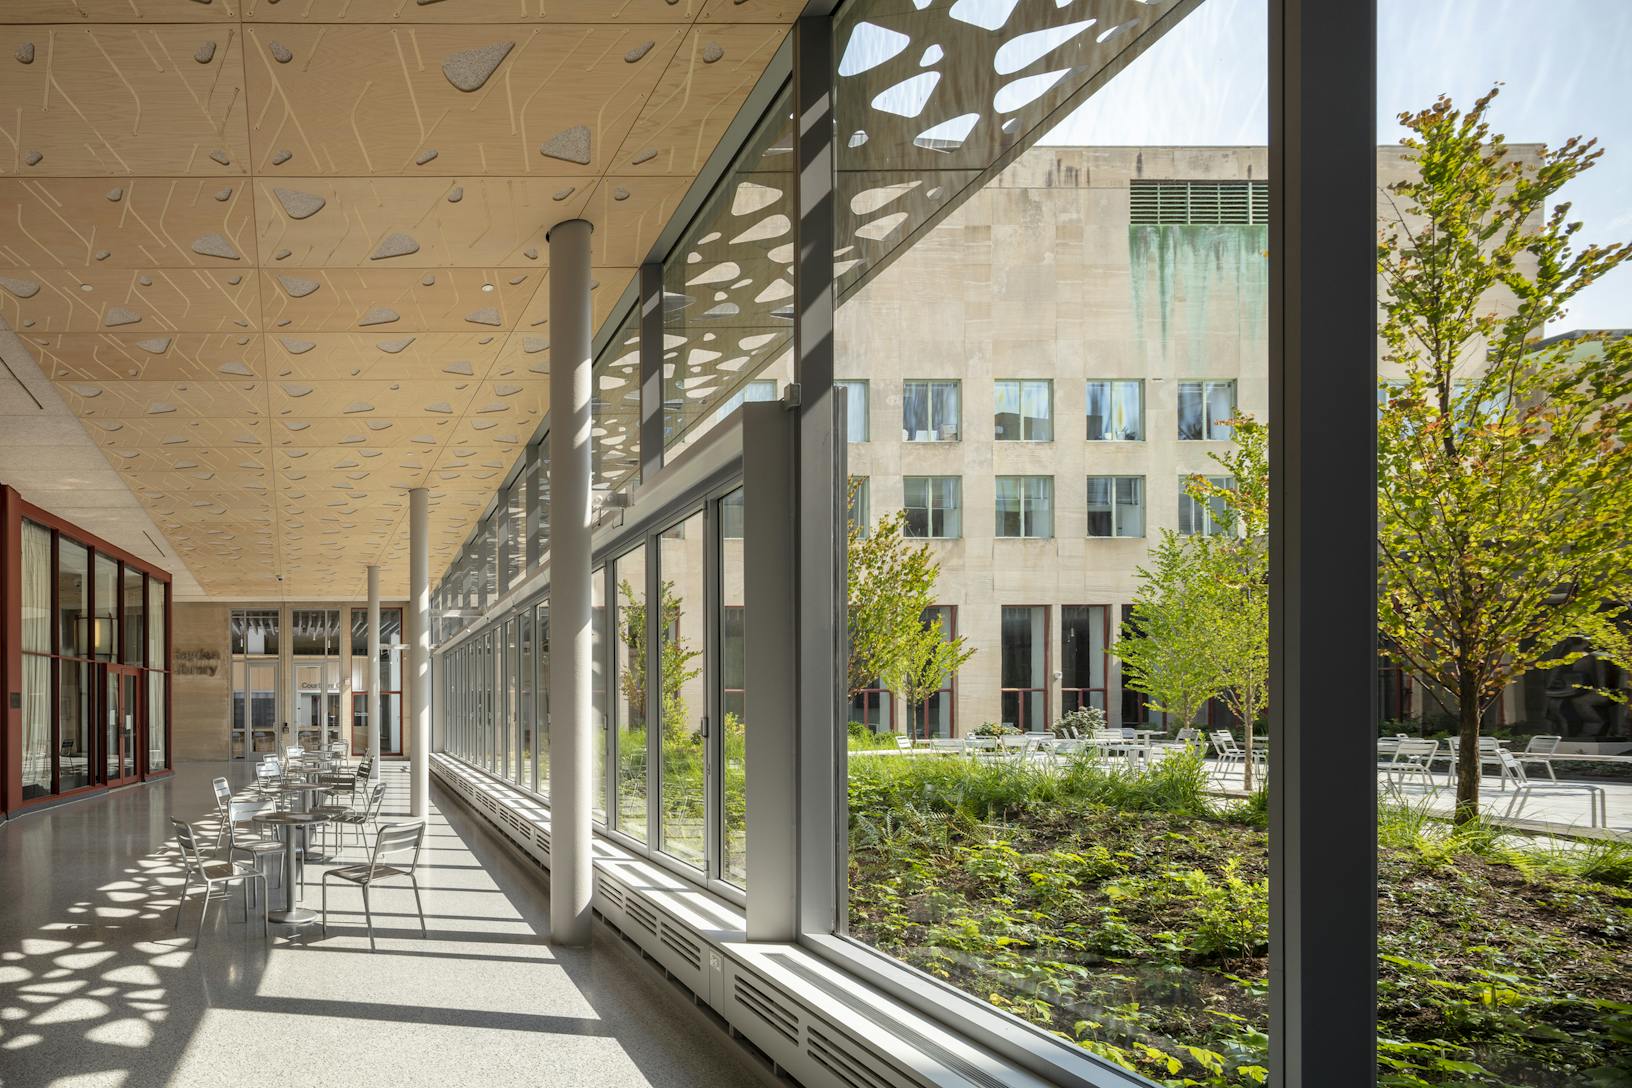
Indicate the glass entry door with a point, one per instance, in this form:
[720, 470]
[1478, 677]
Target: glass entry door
[122, 723]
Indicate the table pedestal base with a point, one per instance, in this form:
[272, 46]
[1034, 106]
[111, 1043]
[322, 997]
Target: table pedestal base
[299, 916]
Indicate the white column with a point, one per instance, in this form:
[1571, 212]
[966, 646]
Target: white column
[374, 671]
[571, 642]
[419, 649]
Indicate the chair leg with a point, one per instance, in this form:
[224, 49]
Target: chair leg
[265, 929]
[325, 922]
[368, 919]
[423, 932]
[244, 887]
[202, 914]
[187, 882]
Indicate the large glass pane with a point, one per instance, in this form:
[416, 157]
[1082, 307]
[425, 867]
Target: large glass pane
[36, 624]
[525, 714]
[1059, 212]
[510, 726]
[542, 631]
[73, 598]
[733, 694]
[158, 741]
[133, 646]
[105, 629]
[158, 643]
[1504, 211]
[629, 702]
[682, 639]
[75, 724]
[600, 691]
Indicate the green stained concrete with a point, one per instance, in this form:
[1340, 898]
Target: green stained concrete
[1199, 279]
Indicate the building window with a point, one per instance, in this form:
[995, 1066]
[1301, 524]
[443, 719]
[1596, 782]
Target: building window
[873, 707]
[1024, 651]
[860, 510]
[934, 506]
[1211, 519]
[1204, 408]
[756, 391]
[1025, 506]
[936, 715]
[1083, 632]
[1023, 411]
[1202, 202]
[1116, 506]
[930, 411]
[1116, 411]
[390, 681]
[855, 409]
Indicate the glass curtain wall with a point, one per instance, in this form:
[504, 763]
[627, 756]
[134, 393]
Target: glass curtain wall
[733, 670]
[253, 645]
[75, 702]
[390, 681]
[683, 679]
[629, 703]
[37, 664]
[314, 643]
[996, 272]
[1505, 299]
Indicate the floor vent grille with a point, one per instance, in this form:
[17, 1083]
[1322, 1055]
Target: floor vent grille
[834, 1056]
[757, 1000]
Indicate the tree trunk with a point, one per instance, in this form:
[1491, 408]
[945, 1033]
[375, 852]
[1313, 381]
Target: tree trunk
[1468, 763]
[1246, 763]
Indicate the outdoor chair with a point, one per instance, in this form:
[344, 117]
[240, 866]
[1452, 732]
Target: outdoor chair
[392, 840]
[248, 840]
[1228, 753]
[903, 742]
[1409, 758]
[360, 817]
[1490, 752]
[294, 751]
[1536, 751]
[213, 875]
[1523, 789]
[223, 798]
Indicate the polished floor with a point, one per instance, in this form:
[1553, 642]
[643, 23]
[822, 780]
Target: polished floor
[96, 988]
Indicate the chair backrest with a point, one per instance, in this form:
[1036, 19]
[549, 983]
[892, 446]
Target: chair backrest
[188, 842]
[294, 750]
[376, 798]
[1223, 740]
[1413, 750]
[223, 794]
[903, 742]
[1490, 744]
[1512, 766]
[241, 813]
[1543, 745]
[393, 839]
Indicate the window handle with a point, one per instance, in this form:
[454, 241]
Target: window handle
[705, 726]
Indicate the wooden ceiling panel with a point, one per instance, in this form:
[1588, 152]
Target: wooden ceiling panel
[190, 400]
[457, 222]
[382, 301]
[140, 223]
[717, 65]
[372, 100]
[453, 356]
[146, 301]
[248, 241]
[82, 356]
[123, 101]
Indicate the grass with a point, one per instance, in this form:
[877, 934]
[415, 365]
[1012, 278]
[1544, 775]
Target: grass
[1128, 912]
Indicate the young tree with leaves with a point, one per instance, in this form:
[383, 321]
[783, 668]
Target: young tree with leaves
[1163, 647]
[1505, 466]
[675, 658]
[1236, 566]
[891, 587]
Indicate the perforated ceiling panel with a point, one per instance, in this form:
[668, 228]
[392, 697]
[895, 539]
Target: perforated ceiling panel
[286, 259]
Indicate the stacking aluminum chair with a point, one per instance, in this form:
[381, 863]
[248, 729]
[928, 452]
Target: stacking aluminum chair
[392, 840]
[213, 874]
[1597, 803]
[361, 816]
[248, 840]
[1537, 750]
[223, 798]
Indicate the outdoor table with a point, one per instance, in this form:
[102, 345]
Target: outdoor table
[303, 794]
[289, 825]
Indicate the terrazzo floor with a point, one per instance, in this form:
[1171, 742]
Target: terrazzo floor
[96, 988]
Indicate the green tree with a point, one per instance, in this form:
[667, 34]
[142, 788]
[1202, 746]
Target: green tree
[891, 587]
[1236, 566]
[1163, 647]
[675, 660]
[1505, 470]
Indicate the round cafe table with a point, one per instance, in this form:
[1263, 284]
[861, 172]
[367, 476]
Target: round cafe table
[290, 826]
[303, 794]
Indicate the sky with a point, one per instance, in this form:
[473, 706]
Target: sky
[1563, 66]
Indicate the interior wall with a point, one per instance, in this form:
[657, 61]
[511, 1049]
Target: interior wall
[202, 680]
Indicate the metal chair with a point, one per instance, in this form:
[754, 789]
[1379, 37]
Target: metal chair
[361, 817]
[389, 841]
[1409, 757]
[1228, 752]
[247, 838]
[1537, 750]
[223, 798]
[213, 874]
[1523, 788]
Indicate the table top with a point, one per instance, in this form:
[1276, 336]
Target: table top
[291, 787]
[291, 818]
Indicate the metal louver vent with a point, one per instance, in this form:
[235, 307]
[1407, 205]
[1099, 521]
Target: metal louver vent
[757, 1000]
[833, 1055]
[641, 914]
[682, 944]
[1198, 202]
[613, 891]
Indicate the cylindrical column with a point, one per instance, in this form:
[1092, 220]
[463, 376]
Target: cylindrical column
[571, 643]
[374, 671]
[419, 649]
